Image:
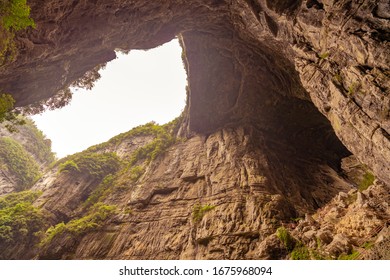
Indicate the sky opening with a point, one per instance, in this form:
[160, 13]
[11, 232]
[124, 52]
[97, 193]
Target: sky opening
[134, 89]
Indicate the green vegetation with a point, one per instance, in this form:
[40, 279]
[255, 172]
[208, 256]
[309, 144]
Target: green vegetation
[68, 166]
[100, 192]
[296, 249]
[352, 256]
[59, 100]
[106, 165]
[92, 221]
[367, 180]
[149, 129]
[19, 162]
[300, 252]
[164, 138]
[19, 219]
[136, 172]
[286, 238]
[338, 78]
[323, 55]
[38, 144]
[14, 16]
[161, 137]
[352, 89]
[6, 105]
[7, 114]
[351, 198]
[90, 77]
[98, 165]
[368, 245]
[200, 210]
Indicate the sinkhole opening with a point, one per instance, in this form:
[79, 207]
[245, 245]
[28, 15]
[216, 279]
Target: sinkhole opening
[134, 89]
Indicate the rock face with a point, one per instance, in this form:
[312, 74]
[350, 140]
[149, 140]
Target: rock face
[24, 155]
[215, 197]
[270, 85]
[269, 53]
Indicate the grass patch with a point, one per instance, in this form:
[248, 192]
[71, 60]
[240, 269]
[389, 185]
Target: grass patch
[19, 162]
[367, 180]
[286, 238]
[200, 210]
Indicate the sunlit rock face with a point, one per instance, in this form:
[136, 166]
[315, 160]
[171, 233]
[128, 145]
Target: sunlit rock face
[278, 93]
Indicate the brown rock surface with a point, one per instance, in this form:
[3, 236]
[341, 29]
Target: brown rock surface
[230, 170]
[258, 149]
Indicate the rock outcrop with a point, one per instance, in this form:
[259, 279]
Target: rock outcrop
[24, 156]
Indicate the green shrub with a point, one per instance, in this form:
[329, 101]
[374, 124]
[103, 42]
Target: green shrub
[97, 165]
[7, 114]
[6, 105]
[37, 144]
[76, 227]
[68, 166]
[367, 180]
[153, 149]
[15, 15]
[20, 163]
[300, 252]
[286, 238]
[150, 128]
[165, 133]
[136, 172]
[19, 219]
[200, 210]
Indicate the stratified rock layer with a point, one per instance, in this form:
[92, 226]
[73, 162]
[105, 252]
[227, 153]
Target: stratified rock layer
[250, 186]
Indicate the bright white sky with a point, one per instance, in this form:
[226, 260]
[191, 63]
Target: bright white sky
[134, 89]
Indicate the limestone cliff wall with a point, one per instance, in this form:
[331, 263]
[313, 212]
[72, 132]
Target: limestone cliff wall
[278, 93]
